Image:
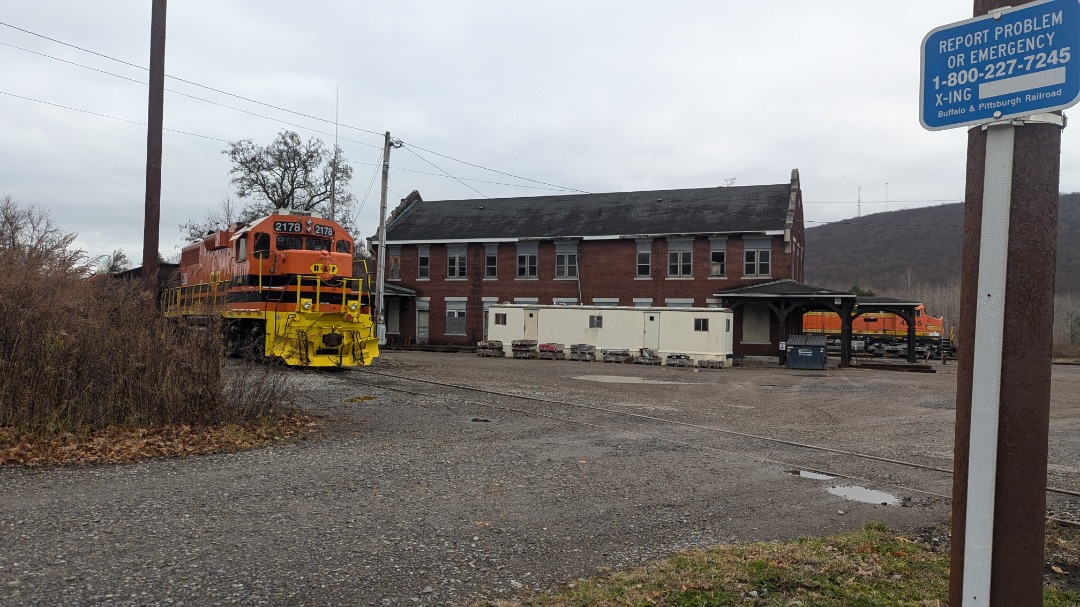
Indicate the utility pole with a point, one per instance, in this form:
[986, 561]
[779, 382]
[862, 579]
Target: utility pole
[380, 278]
[154, 126]
[1003, 381]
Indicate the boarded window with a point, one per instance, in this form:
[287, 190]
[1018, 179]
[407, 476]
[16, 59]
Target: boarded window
[755, 324]
[455, 317]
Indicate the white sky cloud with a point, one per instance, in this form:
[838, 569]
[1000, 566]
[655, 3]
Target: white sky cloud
[599, 96]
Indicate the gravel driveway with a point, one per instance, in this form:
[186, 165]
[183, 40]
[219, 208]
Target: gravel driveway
[436, 499]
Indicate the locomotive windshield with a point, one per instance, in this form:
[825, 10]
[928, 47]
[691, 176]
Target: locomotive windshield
[318, 244]
[343, 246]
[285, 243]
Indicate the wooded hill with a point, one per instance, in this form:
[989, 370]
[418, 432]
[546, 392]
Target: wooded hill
[897, 252]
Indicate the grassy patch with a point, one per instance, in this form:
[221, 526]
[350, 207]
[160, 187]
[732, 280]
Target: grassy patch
[868, 568]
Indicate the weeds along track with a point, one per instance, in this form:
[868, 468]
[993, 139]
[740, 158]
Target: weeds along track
[929, 482]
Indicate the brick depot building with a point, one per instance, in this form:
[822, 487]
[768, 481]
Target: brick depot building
[449, 260]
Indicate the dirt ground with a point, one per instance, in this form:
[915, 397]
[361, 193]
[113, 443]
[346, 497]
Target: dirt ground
[436, 496]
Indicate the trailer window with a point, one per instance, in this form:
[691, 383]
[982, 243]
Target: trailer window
[596, 322]
[701, 324]
[500, 319]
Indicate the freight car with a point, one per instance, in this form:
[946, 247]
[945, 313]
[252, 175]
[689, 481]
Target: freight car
[283, 287]
[881, 332]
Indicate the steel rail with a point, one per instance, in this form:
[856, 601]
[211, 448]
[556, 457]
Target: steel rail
[844, 452]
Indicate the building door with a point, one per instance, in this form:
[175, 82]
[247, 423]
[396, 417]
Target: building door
[393, 315]
[652, 330]
[422, 320]
[532, 323]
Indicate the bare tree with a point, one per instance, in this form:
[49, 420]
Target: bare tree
[290, 173]
[218, 218]
[28, 236]
[117, 261]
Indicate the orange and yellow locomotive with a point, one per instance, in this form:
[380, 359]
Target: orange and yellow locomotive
[284, 287]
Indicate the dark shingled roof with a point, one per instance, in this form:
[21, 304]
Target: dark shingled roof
[693, 211]
[784, 287]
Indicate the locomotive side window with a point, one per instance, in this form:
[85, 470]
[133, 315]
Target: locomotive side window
[241, 248]
[318, 244]
[343, 246]
[285, 243]
[262, 245]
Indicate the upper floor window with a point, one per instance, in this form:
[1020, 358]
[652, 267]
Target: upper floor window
[393, 262]
[718, 257]
[491, 261]
[566, 260]
[757, 257]
[455, 261]
[526, 260]
[423, 262]
[680, 258]
[644, 258]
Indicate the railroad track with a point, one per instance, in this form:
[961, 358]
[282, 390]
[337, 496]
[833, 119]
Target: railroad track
[828, 461]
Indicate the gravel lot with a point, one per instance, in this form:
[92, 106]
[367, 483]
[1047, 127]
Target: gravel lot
[444, 497]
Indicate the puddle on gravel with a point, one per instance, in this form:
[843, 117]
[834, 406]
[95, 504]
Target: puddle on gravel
[620, 379]
[817, 476]
[358, 399]
[862, 494]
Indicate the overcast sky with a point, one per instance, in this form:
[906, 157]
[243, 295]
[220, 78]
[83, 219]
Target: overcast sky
[599, 96]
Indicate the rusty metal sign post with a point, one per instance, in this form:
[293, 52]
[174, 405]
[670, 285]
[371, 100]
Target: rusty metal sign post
[1004, 72]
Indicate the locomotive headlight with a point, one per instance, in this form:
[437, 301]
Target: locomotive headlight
[353, 306]
[307, 304]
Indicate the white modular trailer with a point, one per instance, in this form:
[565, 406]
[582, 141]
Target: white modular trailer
[700, 333]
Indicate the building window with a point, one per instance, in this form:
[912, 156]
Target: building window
[455, 317]
[680, 258]
[526, 258]
[564, 301]
[757, 263]
[423, 264]
[393, 261]
[455, 261]
[701, 324]
[491, 261]
[642, 302]
[758, 257]
[566, 260]
[718, 257]
[596, 321]
[644, 258]
[605, 301]
[500, 318]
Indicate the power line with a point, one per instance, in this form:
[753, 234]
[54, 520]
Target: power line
[75, 109]
[409, 150]
[223, 92]
[514, 185]
[496, 171]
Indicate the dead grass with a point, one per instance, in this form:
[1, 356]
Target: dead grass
[119, 445]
